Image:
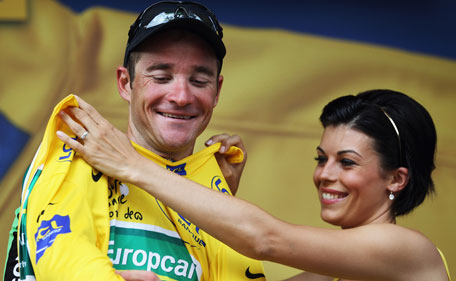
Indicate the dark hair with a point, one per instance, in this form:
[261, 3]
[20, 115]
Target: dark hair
[376, 113]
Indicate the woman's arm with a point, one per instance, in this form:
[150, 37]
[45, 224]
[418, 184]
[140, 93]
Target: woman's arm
[386, 252]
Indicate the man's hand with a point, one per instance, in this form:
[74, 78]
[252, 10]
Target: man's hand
[231, 171]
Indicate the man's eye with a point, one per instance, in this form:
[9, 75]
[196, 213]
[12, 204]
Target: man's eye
[320, 159]
[199, 83]
[161, 79]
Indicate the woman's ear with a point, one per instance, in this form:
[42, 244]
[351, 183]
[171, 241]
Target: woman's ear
[399, 180]
[123, 83]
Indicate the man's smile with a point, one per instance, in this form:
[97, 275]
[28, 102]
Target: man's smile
[175, 116]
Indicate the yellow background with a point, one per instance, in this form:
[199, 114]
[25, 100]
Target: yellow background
[13, 10]
[276, 83]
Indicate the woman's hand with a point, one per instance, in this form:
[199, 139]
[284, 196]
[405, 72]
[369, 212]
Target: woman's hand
[102, 145]
[231, 171]
[138, 275]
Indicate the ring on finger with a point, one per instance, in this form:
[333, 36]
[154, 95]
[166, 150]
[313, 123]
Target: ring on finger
[84, 135]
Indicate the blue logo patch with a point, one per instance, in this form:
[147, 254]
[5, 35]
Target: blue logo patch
[216, 184]
[67, 151]
[179, 169]
[48, 231]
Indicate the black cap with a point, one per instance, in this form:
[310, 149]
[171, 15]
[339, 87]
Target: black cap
[176, 14]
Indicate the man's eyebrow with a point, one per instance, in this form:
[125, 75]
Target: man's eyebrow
[348, 151]
[321, 150]
[204, 70]
[159, 66]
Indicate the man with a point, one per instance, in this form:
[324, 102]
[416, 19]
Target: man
[171, 80]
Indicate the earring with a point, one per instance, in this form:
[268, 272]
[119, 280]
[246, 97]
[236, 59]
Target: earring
[391, 196]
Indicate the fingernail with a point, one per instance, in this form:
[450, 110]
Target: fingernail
[208, 142]
[222, 149]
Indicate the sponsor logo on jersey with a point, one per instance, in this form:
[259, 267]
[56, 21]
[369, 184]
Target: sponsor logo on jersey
[67, 152]
[96, 176]
[187, 226]
[117, 194]
[216, 183]
[178, 169]
[48, 232]
[251, 275]
[152, 248]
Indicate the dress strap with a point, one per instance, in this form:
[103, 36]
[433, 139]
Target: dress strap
[445, 263]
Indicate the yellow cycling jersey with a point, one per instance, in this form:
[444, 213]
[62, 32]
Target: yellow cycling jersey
[147, 235]
[77, 224]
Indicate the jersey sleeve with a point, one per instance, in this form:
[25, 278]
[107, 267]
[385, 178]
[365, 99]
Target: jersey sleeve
[70, 235]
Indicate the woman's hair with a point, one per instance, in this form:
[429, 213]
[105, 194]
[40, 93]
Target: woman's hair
[404, 136]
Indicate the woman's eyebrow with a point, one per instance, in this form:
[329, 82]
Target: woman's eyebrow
[349, 151]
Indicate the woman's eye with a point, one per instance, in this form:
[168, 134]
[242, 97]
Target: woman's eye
[347, 162]
[320, 159]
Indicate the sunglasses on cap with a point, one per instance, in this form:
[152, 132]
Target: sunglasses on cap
[167, 13]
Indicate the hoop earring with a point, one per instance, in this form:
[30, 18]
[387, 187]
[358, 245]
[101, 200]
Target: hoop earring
[391, 196]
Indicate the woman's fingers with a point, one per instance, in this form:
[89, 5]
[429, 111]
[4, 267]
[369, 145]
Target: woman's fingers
[100, 143]
[86, 115]
[83, 118]
[90, 110]
[88, 120]
[77, 128]
[75, 145]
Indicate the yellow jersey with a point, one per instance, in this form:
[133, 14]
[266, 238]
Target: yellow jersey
[77, 224]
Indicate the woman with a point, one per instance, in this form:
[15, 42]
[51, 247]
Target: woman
[374, 163]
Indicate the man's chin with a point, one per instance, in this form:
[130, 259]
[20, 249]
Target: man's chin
[178, 143]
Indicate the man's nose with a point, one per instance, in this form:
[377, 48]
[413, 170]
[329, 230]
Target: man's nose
[181, 93]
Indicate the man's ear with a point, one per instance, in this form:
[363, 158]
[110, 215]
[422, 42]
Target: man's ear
[399, 180]
[123, 83]
[219, 88]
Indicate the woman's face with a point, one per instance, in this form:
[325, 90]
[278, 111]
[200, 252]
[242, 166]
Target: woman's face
[352, 187]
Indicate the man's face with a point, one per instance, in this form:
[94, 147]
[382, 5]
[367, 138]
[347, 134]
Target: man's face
[173, 94]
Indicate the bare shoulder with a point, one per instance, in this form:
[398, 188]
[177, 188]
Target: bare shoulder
[409, 248]
[395, 236]
[397, 239]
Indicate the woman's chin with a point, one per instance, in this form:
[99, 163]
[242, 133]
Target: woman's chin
[331, 218]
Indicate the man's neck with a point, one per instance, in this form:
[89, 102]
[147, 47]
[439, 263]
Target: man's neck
[167, 154]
